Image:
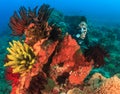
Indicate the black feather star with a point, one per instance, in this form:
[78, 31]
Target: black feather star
[37, 84]
[96, 53]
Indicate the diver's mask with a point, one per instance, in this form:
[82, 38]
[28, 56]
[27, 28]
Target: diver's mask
[83, 29]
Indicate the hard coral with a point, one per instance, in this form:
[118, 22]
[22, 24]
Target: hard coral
[94, 83]
[97, 53]
[75, 91]
[110, 86]
[20, 59]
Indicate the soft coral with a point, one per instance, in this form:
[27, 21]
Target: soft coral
[12, 77]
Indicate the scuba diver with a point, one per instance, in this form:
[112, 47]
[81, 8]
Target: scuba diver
[81, 34]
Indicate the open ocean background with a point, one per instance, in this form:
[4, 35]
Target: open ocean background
[103, 23]
[102, 11]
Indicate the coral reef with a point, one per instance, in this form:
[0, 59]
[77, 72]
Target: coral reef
[111, 86]
[48, 62]
[93, 83]
[71, 62]
[98, 84]
[75, 91]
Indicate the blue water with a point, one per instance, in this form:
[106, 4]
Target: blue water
[103, 18]
[98, 10]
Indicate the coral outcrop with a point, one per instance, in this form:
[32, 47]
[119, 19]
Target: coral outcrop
[69, 59]
[110, 86]
[45, 57]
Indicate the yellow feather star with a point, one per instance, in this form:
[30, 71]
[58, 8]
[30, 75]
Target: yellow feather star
[21, 57]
